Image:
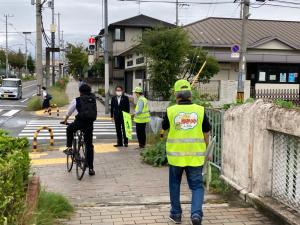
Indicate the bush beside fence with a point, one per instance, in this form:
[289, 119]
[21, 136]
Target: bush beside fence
[14, 172]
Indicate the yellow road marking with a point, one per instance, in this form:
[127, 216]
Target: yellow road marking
[51, 161]
[37, 155]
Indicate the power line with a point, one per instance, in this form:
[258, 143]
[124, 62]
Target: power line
[181, 2]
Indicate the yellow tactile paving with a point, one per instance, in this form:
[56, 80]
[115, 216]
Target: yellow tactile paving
[37, 155]
[50, 161]
[42, 112]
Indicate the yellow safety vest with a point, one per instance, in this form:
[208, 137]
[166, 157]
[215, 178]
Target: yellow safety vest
[185, 144]
[143, 117]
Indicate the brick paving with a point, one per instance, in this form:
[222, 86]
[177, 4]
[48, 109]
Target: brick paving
[126, 191]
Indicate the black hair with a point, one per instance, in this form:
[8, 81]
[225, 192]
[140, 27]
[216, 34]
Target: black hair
[85, 89]
[119, 86]
[44, 88]
[80, 79]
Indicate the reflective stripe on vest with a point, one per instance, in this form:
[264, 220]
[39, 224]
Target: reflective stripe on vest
[186, 153]
[144, 116]
[186, 140]
[185, 144]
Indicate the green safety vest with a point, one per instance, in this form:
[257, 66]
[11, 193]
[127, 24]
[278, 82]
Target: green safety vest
[185, 144]
[143, 117]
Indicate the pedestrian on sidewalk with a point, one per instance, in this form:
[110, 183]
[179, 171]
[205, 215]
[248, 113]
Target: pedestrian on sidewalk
[81, 82]
[46, 98]
[120, 103]
[186, 145]
[86, 108]
[141, 116]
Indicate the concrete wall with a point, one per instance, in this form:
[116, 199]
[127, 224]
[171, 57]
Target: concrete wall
[247, 143]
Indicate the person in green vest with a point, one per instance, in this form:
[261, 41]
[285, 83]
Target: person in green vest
[141, 116]
[186, 145]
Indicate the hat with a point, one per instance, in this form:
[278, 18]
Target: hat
[138, 90]
[182, 85]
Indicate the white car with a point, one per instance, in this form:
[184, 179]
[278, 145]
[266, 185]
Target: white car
[11, 88]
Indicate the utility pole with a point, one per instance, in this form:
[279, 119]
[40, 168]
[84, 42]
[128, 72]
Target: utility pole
[106, 57]
[26, 52]
[243, 54]
[59, 43]
[177, 19]
[39, 48]
[6, 44]
[53, 28]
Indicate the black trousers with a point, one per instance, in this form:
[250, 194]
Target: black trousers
[46, 103]
[141, 133]
[87, 128]
[120, 128]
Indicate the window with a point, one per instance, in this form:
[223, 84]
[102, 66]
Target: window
[118, 62]
[130, 63]
[140, 74]
[140, 60]
[119, 34]
[129, 57]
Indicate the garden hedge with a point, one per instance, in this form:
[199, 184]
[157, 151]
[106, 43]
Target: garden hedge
[14, 172]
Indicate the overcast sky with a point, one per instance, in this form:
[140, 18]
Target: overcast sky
[82, 18]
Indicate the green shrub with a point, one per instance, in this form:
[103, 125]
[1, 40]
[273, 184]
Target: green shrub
[155, 155]
[61, 83]
[34, 104]
[284, 104]
[217, 185]
[14, 172]
[52, 206]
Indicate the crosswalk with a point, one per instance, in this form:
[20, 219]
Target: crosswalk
[8, 113]
[102, 130]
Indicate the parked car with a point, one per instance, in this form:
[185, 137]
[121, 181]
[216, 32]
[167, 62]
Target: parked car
[11, 88]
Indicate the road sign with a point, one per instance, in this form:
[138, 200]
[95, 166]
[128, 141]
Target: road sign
[91, 40]
[235, 48]
[235, 55]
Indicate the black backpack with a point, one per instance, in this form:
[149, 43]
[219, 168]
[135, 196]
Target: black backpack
[87, 108]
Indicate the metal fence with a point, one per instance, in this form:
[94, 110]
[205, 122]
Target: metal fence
[216, 120]
[275, 94]
[286, 170]
[210, 91]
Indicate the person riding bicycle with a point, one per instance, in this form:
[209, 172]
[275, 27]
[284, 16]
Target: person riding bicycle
[86, 108]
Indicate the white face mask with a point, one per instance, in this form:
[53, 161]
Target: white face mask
[119, 93]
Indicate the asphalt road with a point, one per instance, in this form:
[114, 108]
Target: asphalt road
[13, 116]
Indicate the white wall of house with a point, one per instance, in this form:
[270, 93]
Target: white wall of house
[228, 71]
[131, 39]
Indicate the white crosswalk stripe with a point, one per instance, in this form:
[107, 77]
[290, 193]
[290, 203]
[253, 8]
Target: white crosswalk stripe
[102, 129]
[8, 113]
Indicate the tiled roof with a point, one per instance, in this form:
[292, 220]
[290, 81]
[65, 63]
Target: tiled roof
[224, 32]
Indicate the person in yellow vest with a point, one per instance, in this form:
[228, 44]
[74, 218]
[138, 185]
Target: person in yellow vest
[141, 116]
[186, 145]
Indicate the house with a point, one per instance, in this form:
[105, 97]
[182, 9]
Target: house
[273, 55]
[127, 64]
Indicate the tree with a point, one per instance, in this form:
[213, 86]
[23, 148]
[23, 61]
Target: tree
[195, 59]
[17, 60]
[2, 59]
[97, 69]
[167, 50]
[30, 64]
[77, 59]
[171, 57]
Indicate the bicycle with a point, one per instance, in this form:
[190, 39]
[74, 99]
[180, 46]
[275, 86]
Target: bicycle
[79, 154]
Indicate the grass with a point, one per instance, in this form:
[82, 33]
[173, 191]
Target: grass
[59, 96]
[52, 207]
[217, 185]
[34, 104]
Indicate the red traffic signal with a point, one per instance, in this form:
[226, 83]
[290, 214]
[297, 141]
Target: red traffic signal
[91, 40]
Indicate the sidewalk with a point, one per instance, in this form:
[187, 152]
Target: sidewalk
[126, 191]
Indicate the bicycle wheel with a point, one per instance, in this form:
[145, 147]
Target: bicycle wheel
[81, 161]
